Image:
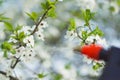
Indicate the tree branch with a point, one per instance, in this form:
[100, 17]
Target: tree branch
[42, 18]
[16, 62]
[78, 35]
[11, 77]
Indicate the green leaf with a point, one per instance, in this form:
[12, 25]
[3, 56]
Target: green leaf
[5, 54]
[45, 5]
[1, 1]
[7, 47]
[21, 36]
[72, 25]
[84, 35]
[33, 15]
[97, 66]
[118, 2]
[14, 37]
[96, 31]
[8, 26]
[51, 13]
[18, 27]
[41, 75]
[3, 18]
[111, 8]
[57, 76]
[88, 15]
[13, 51]
[68, 66]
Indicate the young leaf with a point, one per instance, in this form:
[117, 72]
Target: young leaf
[57, 76]
[84, 35]
[7, 47]
[72, 25]
[3, 18]
[8, 26]
[118, 2]
[44, 6]
[5, 54]
[13, 51]
[111, 8]
[88, 15]
[97, 66]
[41, 75]
[96, 31]
[68, 66]
[21, 36]
[18, 27]
[32, 15]
[51, 13]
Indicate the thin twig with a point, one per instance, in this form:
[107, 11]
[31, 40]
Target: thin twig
[89, 27]
[11, 77]
[16, 62]
[78, 35]
[42, 18]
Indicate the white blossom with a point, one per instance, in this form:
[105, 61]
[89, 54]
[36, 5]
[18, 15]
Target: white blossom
[86, 4]
[3, 77]
[97, 39]
[26, 30]
[60, 68]
[9, 71]
[12, 40]
[29, 40]
[43, 24]
[40, 35]
[87, 60]
[25, 54]
[2, 35]
[60, 0]
[19, 51]
[70, 35]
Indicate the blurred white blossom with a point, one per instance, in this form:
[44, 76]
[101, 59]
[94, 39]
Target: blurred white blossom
[12, 40]
[40, 35]
[43, 24]
[60, 0]
[66, 73]
[97, 39]
[9, 72]
[29, 40]
[3, 77]
[25, 54]
[87, 60]
[26, 30]
[70, 35]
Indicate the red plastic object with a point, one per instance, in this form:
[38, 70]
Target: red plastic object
[92, 51]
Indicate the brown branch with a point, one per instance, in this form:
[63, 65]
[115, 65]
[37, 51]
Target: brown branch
[42, 18]
[16, 62]
[78, 35]
[89, 27]
[11, 77]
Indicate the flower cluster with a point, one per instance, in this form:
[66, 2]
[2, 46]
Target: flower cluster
[25, 48]
[70, 35]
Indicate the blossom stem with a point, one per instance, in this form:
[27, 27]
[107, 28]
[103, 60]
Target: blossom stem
[90, 28]
[42, 18]
[78, 35]
[11, 77]
[16, 62]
